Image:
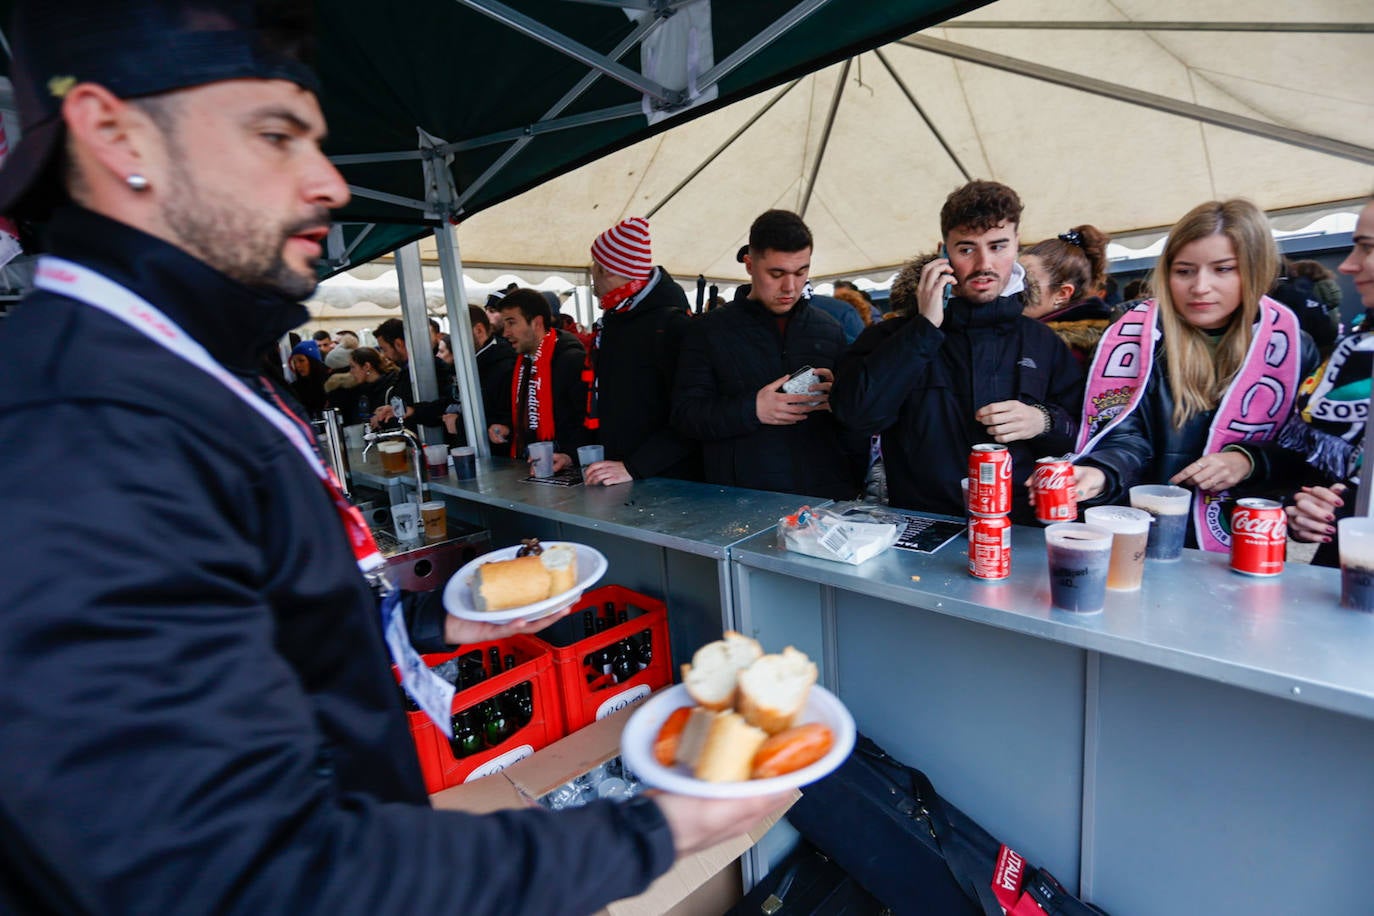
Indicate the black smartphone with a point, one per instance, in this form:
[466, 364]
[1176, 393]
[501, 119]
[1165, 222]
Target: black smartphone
[949, 287]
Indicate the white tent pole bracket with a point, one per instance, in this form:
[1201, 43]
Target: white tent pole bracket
[579, 52]
[1327, 145]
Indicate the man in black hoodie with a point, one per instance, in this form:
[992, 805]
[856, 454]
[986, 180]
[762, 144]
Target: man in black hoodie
[735, 361]
[968, 370]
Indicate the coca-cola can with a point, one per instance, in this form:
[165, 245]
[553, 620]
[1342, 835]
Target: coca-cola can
[989, 480]
[989, 546]
[1259, 537]
[1056, 499]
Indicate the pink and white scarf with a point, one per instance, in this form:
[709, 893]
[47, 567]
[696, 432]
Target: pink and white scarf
[1255, 405]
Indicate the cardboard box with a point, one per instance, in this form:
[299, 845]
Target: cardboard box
[695, 884]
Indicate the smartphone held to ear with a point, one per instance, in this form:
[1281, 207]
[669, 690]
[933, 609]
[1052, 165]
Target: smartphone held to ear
[949, 287]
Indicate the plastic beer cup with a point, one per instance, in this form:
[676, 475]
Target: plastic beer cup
[1130, 530]
[541, 453]
[464, 462]
[1169, 505]
[588, 455]
[1079, 555]
[393, 456]
[1355, 537]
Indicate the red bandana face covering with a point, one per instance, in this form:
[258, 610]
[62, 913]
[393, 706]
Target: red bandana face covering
[617, 300]
[533, 419]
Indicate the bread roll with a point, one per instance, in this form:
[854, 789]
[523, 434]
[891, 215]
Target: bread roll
[728, 754]
[506, 584]
[772, 691]
[561, 562]
[710, 679]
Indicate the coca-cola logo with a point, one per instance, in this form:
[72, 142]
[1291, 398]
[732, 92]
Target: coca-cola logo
[1272, 529]
[1054, 478]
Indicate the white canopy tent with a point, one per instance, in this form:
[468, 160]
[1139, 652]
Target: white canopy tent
[1121, 113]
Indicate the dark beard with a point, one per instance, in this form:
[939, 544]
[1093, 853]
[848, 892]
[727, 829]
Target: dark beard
[234, 241]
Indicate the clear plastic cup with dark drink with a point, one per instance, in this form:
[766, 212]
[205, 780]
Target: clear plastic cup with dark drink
[1355, 538]
[1169, 505]
[1078, 557]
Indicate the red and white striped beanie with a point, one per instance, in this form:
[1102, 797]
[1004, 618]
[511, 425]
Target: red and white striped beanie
[623, 249]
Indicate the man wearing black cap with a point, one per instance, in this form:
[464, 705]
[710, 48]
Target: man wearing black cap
[197, 713]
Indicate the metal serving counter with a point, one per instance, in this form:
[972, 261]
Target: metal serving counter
[1203, 745]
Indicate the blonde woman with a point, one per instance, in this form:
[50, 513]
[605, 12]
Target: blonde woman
[1197, 405]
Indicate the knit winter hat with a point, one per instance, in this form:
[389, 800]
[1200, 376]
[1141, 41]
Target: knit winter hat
[623, 249]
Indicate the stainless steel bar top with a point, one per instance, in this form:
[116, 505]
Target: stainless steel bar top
[697, 518]
[1286, 635]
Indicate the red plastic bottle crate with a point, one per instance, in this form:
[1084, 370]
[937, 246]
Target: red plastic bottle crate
[583, 702]
[533, 664]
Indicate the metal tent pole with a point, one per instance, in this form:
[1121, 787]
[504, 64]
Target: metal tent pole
[411, 285]
[460, 338]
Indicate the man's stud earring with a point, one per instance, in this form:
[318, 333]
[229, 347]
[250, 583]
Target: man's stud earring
[136, 182]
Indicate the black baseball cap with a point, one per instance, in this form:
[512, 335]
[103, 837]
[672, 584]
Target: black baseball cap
[133, 48]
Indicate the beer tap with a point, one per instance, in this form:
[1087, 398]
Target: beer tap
[371, 437]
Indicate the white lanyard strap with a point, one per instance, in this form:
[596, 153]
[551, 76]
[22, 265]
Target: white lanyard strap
[61, 276]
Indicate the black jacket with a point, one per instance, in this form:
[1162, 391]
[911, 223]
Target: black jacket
[729, 354]
[636, 364]
[569, 397]
[495, 362]
[197, 713]
[919, 386]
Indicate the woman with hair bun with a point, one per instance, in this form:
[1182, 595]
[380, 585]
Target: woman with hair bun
[1192, 388]
[1069, 274]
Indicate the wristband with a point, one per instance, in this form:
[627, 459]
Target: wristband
[1049, 419]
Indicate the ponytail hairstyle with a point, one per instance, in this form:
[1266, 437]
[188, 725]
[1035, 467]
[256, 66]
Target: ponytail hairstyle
[367, 356]
[1078, 257]
[1197, 376]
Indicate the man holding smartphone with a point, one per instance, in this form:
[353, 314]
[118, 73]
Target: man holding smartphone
[966, 368]
[736, 364]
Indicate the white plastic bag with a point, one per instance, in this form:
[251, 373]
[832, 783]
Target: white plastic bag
[824, 534]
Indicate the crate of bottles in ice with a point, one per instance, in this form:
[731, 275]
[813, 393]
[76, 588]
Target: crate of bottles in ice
[611, 652]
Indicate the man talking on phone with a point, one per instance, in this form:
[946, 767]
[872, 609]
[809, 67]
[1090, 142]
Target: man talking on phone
[197, 713]
[965, 368]
[737, 365]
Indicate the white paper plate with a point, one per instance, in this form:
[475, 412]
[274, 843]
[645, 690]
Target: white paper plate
[591, 566]
[637, 748]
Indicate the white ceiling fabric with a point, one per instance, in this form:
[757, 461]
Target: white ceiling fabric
[1074, 157]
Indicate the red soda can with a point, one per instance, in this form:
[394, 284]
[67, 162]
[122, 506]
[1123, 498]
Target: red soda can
[989, 480]
[1056, 499]
[1259, 537]
[989, 546]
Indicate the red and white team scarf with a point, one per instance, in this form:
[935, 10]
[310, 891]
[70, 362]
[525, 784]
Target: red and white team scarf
[620, 299]
[1255, 405]
[536, 414]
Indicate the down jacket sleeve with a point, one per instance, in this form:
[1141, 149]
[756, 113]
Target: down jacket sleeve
[877, 374]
